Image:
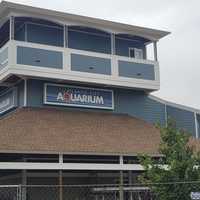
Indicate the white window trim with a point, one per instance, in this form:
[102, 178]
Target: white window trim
[129, 49]
[135, 49]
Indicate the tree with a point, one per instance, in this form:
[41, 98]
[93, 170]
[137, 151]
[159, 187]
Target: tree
[180, 175]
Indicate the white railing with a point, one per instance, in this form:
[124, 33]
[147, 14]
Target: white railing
[68, 74]
[4, 56]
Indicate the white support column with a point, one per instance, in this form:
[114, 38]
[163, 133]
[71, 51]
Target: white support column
[113, 44]
[66, 36]
[130, 182]
[24, 182]
[61, 158]
[121, 180]
[66, 52]
[121, 160]
[12, 27]
[114, 60]
[60, 178]
[155, 51]
[196, 125]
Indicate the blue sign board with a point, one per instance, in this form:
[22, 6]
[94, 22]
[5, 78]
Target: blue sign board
[8, 100]
[65, 95]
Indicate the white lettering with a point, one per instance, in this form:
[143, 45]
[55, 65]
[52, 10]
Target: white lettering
[60, 97]
[99, 100]
[90, 99]
[83, 98]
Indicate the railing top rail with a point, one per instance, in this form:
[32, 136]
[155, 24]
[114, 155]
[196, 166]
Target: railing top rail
[94, 186]
[8, 186]
[5, 46]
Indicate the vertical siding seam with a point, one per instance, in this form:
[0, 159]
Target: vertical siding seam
[25, 92]
[166, 115]
[26, 33]
[196, 125]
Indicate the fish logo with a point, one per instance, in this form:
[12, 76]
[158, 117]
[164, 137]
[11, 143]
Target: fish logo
[67, 96]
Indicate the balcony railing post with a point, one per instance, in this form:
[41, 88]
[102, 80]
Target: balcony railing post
[66, 36]
[24, 183]
[19, 192]
[112, 43]
[155, 51]
[12, 27]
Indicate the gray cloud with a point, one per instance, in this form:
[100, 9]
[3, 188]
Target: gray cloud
[178, 53]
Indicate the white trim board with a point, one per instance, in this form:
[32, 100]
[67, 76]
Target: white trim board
[69, 166]
[168, 103]
[13, 99]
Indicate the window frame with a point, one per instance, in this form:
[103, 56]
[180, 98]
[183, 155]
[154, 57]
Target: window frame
[135, 50]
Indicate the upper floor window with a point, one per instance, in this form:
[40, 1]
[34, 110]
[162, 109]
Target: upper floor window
[39, 31]
[136, 53]
[89, 39]
[4, 33]
[130, 46]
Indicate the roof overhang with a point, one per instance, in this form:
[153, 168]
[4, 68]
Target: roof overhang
[153, 34]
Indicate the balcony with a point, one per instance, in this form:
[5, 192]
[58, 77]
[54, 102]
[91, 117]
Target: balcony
[79, 54]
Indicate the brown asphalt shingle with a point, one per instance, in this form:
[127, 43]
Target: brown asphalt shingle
[51, 130]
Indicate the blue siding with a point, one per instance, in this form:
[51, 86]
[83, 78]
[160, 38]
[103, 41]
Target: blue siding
[20, 88]
[89, 42]
[39, 57]
[134, 103]
[138, 104]
[35, 91]
[90, 64]
[136, 70]
[184, 119]
[3, 58]
[122, 46]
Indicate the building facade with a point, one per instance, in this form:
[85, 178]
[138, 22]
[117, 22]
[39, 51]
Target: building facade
[75, 99]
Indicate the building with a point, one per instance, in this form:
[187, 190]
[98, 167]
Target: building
[76, 105]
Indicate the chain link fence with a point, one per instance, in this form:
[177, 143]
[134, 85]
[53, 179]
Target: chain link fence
[165, 191]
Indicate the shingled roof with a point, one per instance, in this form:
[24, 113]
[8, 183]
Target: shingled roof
[52, 130]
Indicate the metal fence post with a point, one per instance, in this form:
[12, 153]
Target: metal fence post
[121, 192]
[19, 192]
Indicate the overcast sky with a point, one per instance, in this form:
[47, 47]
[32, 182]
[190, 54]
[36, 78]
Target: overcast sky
[178, 53]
